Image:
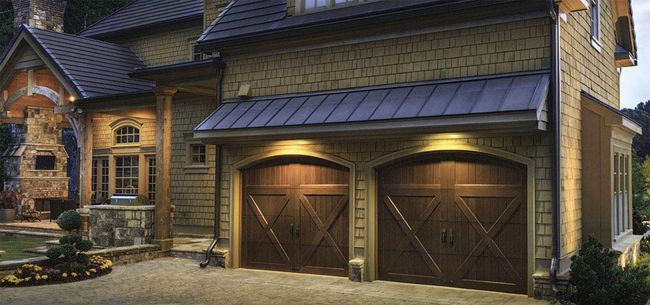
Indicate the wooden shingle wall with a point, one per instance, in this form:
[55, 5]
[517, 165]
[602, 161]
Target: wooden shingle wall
[164, 48]
[484, 50]
[583, 68]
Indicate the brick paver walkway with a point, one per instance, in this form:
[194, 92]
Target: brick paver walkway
[180, 281]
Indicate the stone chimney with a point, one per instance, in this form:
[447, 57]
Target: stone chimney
[42, 14]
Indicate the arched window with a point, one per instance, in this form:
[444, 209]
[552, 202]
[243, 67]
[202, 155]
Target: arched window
[127, 135]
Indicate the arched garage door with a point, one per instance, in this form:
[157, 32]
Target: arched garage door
[455, 220]
[295, 216]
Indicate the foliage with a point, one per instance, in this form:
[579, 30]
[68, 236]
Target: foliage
[641, 114]
[598, 280]
[645, 245]
[6, 22]
[80, 14]
[69, 255]
[9, 200]
[70, 221]
[638, 225]
[33, 275]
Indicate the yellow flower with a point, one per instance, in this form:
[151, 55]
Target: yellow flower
[87, 273]
[65, 274]
[38, 277]
[73, 274]
[44, 277]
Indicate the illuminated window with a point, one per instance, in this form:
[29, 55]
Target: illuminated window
[127, 135]
[126, 174]
[151, 178]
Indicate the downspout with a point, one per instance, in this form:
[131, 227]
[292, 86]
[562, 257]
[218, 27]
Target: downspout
[556, 116]
[218, 168]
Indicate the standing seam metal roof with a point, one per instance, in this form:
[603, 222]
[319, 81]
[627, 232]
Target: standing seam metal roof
[145, 13]
[498, 94]
[93, 67]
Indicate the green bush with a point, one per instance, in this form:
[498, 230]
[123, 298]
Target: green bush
[638, 226]
[69, 221]
[598, 280]
[69, 254]
[645, 245]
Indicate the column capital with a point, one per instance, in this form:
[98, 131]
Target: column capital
[164, 91]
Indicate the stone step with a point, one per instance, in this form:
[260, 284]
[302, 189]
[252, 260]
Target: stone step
[13, 227]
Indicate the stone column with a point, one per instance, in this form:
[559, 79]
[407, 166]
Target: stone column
[163, 217]
[86, 159]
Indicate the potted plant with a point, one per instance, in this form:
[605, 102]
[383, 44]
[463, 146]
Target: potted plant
[8, 201]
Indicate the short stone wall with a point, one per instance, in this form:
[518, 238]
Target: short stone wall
[120, 226]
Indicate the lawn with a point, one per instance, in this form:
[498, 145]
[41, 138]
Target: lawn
[14, 246]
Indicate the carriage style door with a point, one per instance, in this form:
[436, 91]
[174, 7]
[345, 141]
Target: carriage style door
[295, 216]
[455, 220]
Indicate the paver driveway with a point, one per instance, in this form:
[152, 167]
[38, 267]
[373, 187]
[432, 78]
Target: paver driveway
[180, 281]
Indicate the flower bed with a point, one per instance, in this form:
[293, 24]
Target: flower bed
[34, 275]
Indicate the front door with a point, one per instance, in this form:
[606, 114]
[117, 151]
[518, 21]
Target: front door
[295, 216]
[455, 220]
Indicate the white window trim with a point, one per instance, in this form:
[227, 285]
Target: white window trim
[115, 126]
[596, 41]
[616, 218]
[195, 168]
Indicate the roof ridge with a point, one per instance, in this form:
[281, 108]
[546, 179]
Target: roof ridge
[107, 16]
[30, 29]
[216, 20]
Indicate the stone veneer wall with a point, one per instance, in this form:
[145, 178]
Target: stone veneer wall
[119, 226]
[42, 136]
[42, 14]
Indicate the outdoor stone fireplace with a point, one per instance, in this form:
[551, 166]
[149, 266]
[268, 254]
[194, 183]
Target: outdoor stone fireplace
[37, 163]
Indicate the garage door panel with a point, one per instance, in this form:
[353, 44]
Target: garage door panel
[481, 215]
[295, 216]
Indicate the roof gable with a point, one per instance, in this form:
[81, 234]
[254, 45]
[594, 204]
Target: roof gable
[90, 68]
[140, 14]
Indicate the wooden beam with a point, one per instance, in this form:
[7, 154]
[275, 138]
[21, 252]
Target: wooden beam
[163, 233]
[86, 160]
[31, 82]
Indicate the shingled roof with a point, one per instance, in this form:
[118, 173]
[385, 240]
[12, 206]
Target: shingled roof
[92, 67]
[254, 17]
[140, 14]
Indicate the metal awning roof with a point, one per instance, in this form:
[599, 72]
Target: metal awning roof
[502, 101]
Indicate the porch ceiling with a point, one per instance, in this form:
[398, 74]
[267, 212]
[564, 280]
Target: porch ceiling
[512, 101]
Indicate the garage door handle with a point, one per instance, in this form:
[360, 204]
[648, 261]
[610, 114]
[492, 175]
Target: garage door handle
[292, 230]
[443, 236]
[451, 238]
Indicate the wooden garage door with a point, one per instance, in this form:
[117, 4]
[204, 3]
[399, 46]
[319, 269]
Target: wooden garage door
[456, 220]
[295, 216]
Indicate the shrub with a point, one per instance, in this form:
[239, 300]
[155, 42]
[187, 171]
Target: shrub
[645, 245]
[638, 225]
[598, 280]
[9, 200]
[69, 255]
[69, 221]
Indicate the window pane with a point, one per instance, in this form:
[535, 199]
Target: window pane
[595, 19]
[127, 134]
[615, 194]
[126, 175]
[198, 154]
[152, 179]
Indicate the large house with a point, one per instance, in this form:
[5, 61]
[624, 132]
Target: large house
[463, 143]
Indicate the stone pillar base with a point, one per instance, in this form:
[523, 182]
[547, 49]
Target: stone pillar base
[221, 257]
[357, 270]
[542, 288]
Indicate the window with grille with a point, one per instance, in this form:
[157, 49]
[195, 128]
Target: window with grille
[151, 178]
[127, 135]
[198, 154]
[100, 179]
[126, 174]
[621, 201]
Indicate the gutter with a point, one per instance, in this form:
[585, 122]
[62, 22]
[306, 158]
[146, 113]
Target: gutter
[556, 116]
[218, 168]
